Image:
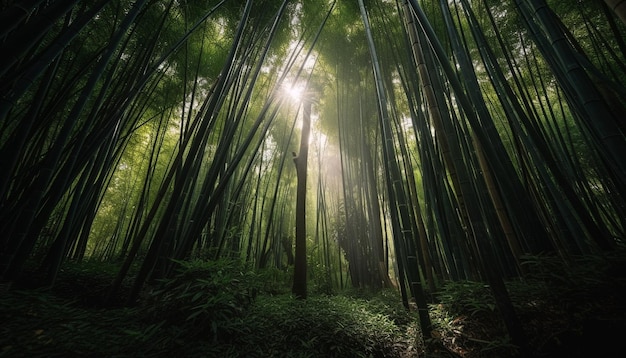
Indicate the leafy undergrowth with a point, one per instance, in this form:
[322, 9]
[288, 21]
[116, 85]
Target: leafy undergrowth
[208, 309]
[218, 309]
[574, 310]
[36, 324]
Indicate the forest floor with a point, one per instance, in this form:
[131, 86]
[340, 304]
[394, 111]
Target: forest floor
[577, 310]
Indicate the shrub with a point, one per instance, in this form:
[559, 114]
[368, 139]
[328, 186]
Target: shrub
[203, 296]
[321, 326]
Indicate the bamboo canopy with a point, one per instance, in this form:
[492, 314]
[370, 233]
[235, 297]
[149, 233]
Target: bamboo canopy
[448, 139]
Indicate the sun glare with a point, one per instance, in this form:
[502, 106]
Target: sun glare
[295, 92]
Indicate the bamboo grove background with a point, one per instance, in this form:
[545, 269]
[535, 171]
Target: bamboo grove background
[450, 138]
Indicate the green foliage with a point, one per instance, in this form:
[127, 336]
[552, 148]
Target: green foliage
[466, 319]
[554, 270]
[88, 282]
[37, 324]
[554, 299]
[387, 301]
[320, 281]
[467, 297]
[273, 281]
[582, 278]
[458, 319]
[205, 295]
[321, 326]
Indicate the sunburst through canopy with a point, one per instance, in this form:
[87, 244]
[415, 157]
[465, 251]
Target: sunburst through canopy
[295, 91]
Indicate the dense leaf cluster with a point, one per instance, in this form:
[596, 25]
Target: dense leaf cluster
[206, 295]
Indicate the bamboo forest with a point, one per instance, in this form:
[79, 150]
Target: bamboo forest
[312, 178]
